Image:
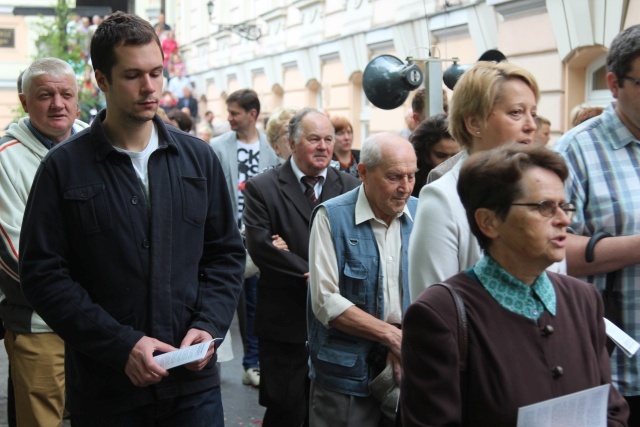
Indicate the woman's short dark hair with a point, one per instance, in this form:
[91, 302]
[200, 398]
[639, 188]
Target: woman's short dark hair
[119, 29]
[424, 137]
[491, 179]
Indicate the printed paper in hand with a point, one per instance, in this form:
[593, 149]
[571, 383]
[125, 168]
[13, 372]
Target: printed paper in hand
[183, 356]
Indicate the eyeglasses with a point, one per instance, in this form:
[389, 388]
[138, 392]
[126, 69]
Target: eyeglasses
[549, 208]
[632, 80]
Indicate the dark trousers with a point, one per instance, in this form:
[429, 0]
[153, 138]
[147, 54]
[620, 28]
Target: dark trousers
[246, 322]
[284, 383]
[634, 410]
[202, 409]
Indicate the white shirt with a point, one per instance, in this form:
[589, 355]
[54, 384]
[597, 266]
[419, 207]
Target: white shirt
[326, 301]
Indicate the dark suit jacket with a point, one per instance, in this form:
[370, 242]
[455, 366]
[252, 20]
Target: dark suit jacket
[191, 103]
[275, 204]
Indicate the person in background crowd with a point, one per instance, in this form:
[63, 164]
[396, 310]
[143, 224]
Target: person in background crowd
[278, 132]
[410, 125]
[169, 47]
[49, 94]
[162, 22]
[167, 102]
[379, 214]
[543, 129]
[178, 83]
[584, 113]
[129, 247]
[516, 208]
[279, 202]
[95, 21]
[493, 104]
[602, 155]
[204, 132]
[433, 145]
[418, 106]
[342, 151]
[243, 153]
[181, 120]
[187, 100]
[177, 63]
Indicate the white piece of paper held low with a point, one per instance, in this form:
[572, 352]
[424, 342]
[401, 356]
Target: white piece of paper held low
[622, 340]
[183, 356]
[586, 408]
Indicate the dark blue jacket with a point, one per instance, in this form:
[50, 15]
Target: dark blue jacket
[102, 270]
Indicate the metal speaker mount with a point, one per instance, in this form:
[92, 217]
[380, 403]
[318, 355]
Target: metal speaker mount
[387, 81]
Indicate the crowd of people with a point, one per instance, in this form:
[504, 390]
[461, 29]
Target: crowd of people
[430, 278]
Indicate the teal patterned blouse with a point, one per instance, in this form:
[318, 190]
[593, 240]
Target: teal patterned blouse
[514, 295]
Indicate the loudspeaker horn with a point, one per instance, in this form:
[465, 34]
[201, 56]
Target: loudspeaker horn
[387, 81]
[455, 71]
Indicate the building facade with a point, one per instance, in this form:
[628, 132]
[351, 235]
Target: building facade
[312, 53]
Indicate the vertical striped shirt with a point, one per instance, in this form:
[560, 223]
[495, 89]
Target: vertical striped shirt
[604, 182]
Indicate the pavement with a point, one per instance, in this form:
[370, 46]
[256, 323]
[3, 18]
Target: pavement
[240, 402]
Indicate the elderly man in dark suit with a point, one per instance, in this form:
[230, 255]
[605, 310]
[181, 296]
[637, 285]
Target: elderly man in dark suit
[279, 202]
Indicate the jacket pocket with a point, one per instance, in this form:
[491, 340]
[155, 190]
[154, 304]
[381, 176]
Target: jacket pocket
[341, 362]
[88, 208]
[355, 276]
[194, 200]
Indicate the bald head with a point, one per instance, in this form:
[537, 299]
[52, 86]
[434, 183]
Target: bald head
[388, 170]
[377, 147]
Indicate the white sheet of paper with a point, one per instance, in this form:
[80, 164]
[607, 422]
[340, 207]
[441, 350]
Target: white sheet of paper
[183, 356]
[586, 408]
[622, 340]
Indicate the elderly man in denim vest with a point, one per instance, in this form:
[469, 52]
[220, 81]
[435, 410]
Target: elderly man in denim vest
[358, 286]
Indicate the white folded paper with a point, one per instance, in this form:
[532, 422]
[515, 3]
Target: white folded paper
[184, 355]
[586, 408]
[622, 340]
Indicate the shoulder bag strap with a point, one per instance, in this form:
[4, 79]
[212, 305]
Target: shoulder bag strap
[463, 334]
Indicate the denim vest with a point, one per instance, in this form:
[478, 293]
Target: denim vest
[338, 361]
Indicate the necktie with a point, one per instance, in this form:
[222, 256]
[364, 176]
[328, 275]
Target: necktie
[309, 192]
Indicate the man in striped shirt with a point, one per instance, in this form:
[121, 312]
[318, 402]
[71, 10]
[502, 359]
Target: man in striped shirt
[603, 155]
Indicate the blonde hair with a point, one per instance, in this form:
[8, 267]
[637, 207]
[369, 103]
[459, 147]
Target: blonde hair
[276, 120]
[478, 91]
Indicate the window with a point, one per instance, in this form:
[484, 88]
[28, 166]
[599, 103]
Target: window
[597, 92]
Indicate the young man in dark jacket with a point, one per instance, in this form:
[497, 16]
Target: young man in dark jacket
[129, 247]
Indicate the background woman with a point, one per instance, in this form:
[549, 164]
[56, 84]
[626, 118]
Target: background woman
[278, 132]
[532, 335]
[342, 151]
[493, 104]
[433, 145]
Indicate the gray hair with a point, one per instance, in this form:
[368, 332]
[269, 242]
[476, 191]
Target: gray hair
[53, 67]
[295, 128]
[371, 152]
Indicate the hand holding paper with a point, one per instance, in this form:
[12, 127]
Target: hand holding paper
[187, 355]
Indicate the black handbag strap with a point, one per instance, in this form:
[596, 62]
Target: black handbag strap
[463, 334]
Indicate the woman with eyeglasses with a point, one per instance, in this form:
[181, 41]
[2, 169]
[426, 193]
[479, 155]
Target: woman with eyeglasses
[492, 104]
[533, 335]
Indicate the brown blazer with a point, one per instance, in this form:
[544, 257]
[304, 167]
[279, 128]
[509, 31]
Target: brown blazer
[512, 361]
[275, 204]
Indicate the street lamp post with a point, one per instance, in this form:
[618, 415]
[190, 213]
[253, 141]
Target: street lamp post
[246, 31]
